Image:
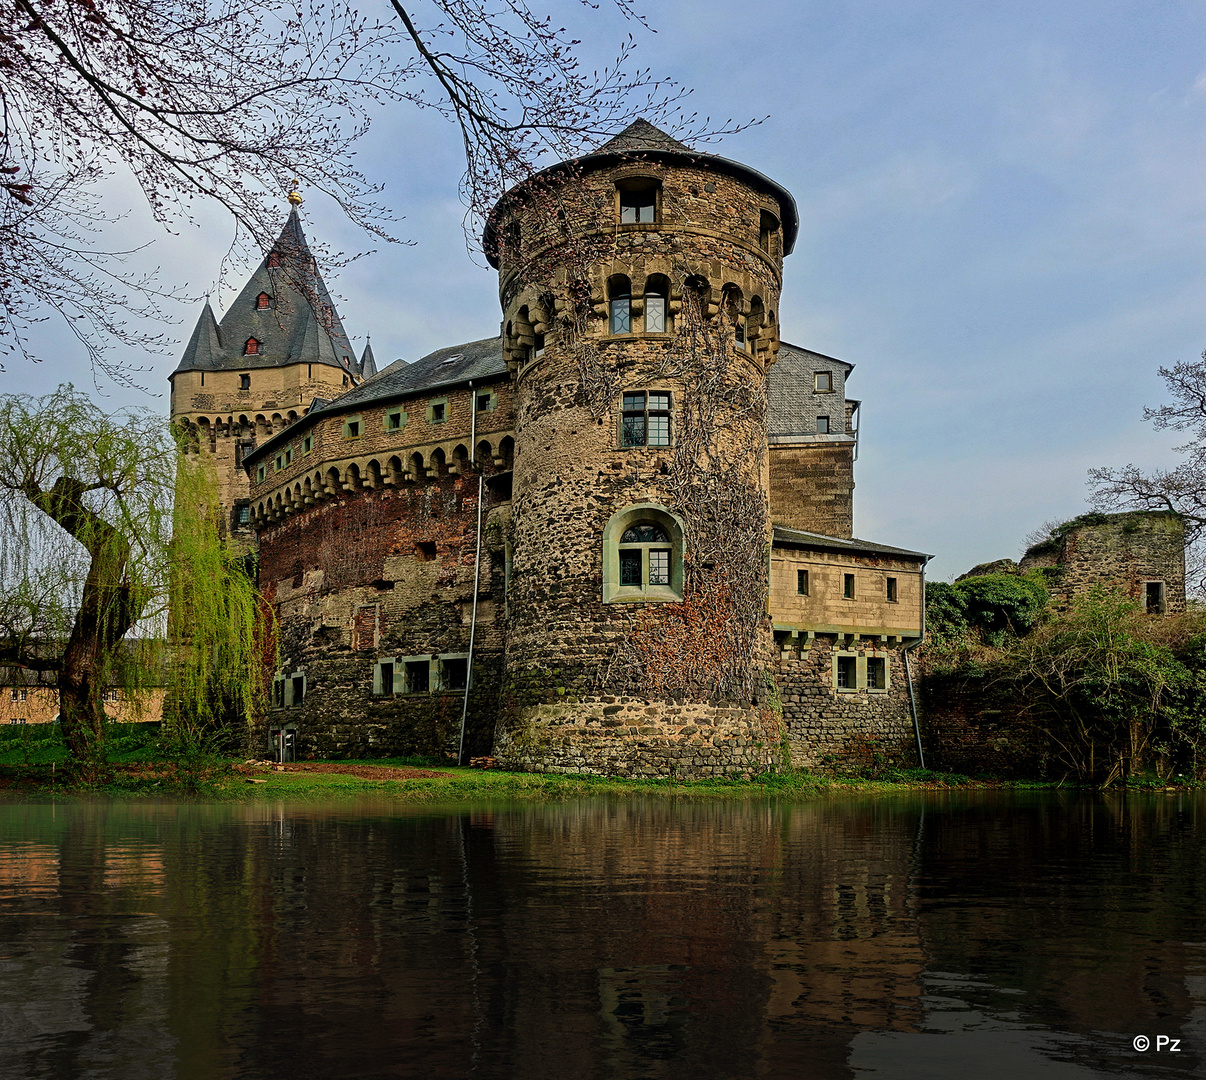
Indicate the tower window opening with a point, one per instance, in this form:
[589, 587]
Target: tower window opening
[619, 295]
[657, 289]
[645, 419]
[638, 203]
[245, 382]
[1153, 597]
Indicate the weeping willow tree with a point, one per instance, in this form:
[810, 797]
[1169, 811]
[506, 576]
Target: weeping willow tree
[98, 567]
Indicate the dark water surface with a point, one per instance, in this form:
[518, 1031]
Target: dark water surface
[962, 935]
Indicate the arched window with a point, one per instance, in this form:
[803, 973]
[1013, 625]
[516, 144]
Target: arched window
[263, 302]
[251, 347]
[643, 555]
[619, 296]
[657, 289]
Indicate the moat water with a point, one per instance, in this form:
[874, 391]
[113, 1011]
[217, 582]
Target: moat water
[953, 935]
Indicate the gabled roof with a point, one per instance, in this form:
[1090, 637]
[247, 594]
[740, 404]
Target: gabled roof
[648, 142]
[300, 325]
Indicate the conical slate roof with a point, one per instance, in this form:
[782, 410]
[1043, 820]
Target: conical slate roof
[297, 325]
[368, 364]
[642, 135]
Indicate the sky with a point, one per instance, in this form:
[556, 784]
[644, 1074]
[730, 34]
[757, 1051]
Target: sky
[1002, 226]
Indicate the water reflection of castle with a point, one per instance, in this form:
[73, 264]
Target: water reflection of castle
[591, 940]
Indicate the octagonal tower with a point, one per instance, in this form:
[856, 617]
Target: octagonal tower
[640, 287]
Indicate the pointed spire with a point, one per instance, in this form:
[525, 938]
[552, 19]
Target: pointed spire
[368, 363]
[204, 348]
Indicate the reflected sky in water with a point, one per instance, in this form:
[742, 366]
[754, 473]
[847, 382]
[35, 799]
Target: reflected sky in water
[937, 935]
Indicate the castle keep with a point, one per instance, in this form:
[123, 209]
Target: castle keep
[615, 538]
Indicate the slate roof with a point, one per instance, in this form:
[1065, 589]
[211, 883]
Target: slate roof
[368, 363]
[476, 360]
[300, 327]
[790, 388]
[800, 538]
[645, 140]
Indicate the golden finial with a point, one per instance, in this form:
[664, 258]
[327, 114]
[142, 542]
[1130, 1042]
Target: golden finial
[294, 195]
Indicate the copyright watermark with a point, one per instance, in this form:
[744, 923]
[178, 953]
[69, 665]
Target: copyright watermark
[1162, 1044]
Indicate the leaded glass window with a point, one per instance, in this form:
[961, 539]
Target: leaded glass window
[643, 559]
[645, 419]
[655, 313]
[621, 315]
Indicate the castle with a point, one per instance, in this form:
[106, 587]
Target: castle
[614, 538]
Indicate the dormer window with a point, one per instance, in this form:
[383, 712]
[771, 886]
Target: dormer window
[263, 302]
[638, 201]
[274, 260]
[251, 347]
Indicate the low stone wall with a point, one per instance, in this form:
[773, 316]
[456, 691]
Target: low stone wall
[615, 736]
[969, 726]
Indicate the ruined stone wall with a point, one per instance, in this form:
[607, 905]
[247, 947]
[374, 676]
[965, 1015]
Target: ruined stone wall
[385, 574]
[844, 729]
[1125, 550]
[812, 487]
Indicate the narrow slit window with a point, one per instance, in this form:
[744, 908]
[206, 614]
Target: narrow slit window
[801, 582]
[891, 590]
[848, 586]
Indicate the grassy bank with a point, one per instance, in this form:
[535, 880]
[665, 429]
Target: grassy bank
[33, 764]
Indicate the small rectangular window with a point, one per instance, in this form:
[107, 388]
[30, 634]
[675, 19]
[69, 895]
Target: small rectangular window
[259, 473]
[418, 676]
[655, 313]
[289, 455]
[638, 206]
[12, 695]
[801, 582]
[848, 586]
[823, 382]
[483, 402]
[877, 673]
[1153, 596]
[739, 334]
[645, 419]
[845, 673]
[278, 693]
[299, 690]
[352, 427]
[243, 514]
[307, 444]
[538, 349]
[891, 590]
[454, 673]
[279, 462]
[822, 425]
[244, 382]
[437, 413]
[383, 682]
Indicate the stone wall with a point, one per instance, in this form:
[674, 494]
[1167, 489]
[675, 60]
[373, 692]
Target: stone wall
[844, 730]
[386, 574]
[812, 487]
[968, 727]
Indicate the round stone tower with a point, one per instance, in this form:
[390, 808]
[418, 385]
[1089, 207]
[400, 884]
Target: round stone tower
[640, 288]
